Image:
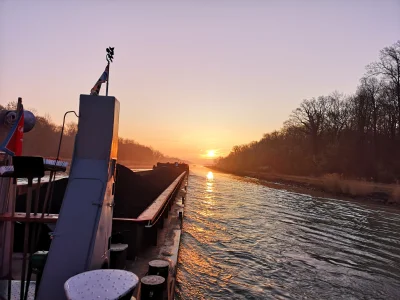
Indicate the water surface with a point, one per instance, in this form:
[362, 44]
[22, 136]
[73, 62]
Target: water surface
[243, 240]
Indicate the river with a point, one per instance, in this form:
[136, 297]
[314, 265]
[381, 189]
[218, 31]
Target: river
[244, 240]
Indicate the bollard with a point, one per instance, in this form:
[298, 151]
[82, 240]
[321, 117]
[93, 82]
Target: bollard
[118, 254]
[152, 287]
[159, 267]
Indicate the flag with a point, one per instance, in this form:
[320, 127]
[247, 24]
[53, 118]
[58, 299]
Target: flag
[103, 78]
[12, 145]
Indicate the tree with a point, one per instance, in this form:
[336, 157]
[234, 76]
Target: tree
[311, 116]
[337, 114]
[354, 135]
[371, 87]
[388, 67]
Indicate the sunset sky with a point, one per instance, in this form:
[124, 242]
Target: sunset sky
[191, 76]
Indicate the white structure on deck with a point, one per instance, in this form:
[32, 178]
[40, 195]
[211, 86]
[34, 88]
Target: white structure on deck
[81, 240]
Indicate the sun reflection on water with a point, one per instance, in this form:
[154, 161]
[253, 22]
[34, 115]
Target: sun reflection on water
[209, 183]
[209, 187]
[208, 196]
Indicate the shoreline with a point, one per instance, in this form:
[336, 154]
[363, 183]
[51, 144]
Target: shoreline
[376, 194]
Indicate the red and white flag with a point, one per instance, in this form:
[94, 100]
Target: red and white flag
[103, 78]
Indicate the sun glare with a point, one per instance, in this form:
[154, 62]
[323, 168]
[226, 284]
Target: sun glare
[211, 153]
[210, 175]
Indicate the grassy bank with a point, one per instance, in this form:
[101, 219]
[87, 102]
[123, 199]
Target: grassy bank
[332, 184]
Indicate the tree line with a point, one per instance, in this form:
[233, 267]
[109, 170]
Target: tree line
[43, 140]
[356, 135]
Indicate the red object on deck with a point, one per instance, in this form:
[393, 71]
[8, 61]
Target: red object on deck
[12, 145]
[19, 135]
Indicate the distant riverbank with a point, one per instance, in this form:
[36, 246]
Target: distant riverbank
[330, 184]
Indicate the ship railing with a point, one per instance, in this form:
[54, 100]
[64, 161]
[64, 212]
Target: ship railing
[152, 214]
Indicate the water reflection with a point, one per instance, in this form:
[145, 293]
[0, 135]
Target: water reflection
[209, 183]
[242, 240]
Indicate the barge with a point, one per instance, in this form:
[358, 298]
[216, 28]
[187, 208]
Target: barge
[72, 237]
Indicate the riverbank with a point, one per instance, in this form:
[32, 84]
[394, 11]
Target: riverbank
[329, 185]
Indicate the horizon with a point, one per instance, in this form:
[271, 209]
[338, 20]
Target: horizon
[195, 79]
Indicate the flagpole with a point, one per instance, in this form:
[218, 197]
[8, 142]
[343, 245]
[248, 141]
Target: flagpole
[109, 58]
[108, 78]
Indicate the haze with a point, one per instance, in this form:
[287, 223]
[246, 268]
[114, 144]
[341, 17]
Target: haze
[192, 76]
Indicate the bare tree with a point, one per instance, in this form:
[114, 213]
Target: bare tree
[388, 117]
[337, 113]
[353, 135]
[311, 116]
[388, 67]
[371, 88]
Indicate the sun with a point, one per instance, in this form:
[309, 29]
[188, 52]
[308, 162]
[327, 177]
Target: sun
[211, 153]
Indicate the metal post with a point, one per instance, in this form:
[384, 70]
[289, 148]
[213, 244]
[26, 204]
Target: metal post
[108, 78]
[12, 195]
[26, 237]
[109, 58]
[46, 198]
[37, 195]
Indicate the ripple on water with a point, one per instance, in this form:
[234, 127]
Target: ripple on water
[243, 240]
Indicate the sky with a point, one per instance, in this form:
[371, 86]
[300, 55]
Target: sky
[191, 76]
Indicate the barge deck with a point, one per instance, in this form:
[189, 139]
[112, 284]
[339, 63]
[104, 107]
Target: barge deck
[154, 234]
